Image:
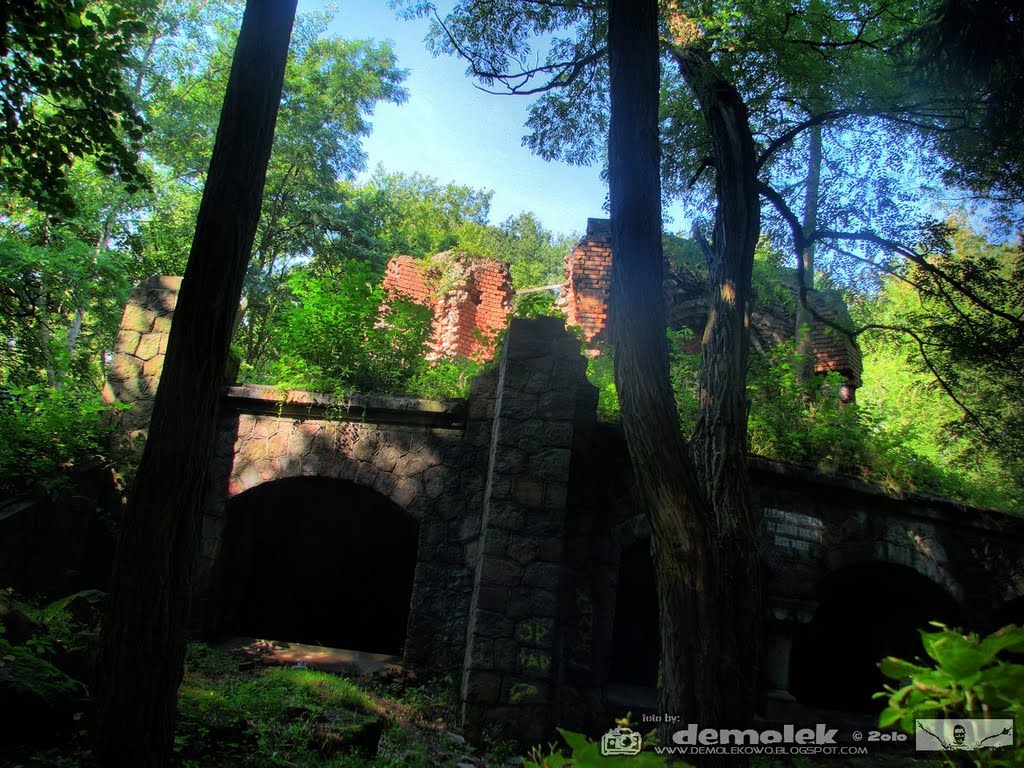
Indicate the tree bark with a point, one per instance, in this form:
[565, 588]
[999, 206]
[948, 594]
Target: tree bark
[804, 347]
[684, 556]
[719, 444]
[144, 642]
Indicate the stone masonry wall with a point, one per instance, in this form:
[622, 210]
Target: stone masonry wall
[433, 470]
[512, 663]
[470, 298]
[139, 360]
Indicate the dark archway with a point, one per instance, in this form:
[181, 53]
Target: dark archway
[316, 560]
[636, 640]
[865, 612]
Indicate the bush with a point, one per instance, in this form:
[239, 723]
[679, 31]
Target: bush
[45, 431]
[335, 334]
[968, 677]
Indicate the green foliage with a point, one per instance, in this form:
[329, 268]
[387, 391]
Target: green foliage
[966, 676]
[601, 373]
[446, 378]
[278, 716]
[63, 95]
[333, 334]
[536, 304]
[45, 432]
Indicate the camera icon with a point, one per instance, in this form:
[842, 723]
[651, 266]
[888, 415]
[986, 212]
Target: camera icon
[621, 741]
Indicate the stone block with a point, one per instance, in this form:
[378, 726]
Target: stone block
[384, 482]
[540, 603]
[491, 624]
[492, 598]
[481, 688]
[517, 405]
[555, 496]
[505, 515]
[480, 654]
[509, 461]
[148, 346]
[406, 491]
[546, 575]
[551, 464]
[162, 324]
[496, 542]
[557, 406]
[528, 491]
[127, 341]
[364, 449]
[386, 458]
[136, 318]
[506, 653]
[499, 571]
[124, 367]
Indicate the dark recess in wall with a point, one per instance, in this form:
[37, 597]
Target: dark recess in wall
[319, 561]
[865, 613]
[636, 642]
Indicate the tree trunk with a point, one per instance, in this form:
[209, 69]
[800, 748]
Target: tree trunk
[684, 557]
[720, 440]
[804, 347]
[144, 642]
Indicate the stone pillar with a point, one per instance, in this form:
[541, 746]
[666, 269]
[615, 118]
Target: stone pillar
[511, 666]
[782, 615]
[138, 361]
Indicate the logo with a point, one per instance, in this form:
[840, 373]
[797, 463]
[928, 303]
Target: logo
[621, 741]
[954, 735]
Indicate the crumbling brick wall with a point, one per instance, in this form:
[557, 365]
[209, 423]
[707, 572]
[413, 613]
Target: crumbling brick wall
[587, 287]
[588, 281]
[471, 299]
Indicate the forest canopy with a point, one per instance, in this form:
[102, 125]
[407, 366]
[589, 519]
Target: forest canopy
[838, 83]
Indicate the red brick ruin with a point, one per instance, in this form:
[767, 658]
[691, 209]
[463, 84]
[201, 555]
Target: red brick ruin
[472, 299]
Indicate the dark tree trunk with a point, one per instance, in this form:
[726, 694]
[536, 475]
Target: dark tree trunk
[144, 643]
[720, 441]
[804, 346]
[684, 556]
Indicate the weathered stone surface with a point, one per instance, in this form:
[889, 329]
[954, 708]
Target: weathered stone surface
[495, 570]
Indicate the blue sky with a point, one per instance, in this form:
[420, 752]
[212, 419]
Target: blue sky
[451, 130]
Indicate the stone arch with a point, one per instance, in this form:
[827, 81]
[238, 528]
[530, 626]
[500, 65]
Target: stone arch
[867, 608]
[316, 560]
[391, 462]
[914, 546]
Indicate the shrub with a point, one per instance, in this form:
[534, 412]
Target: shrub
[46, 431]
[968, 676]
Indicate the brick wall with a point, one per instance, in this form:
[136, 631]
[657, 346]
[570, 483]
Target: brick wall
[471, 299]
[587, 286]
[588, 281]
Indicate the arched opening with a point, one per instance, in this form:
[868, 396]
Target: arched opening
[319, 561]
[865, 612]
[636, 640]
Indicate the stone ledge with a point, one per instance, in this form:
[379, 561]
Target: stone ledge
[377, 409]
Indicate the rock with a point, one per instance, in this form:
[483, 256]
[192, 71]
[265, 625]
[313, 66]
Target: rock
[18, 626]
[345, 731]
[37, 699]
[394, 675]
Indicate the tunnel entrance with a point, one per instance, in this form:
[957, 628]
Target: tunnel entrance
[865, 613]
[319, 561]
[636, 640]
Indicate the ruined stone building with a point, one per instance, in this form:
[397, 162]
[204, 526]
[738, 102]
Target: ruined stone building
[501, 538]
